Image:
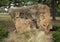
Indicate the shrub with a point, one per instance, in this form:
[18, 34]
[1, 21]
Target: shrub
[56, 28]
[3, 32]
[56, 36]
[56, 33]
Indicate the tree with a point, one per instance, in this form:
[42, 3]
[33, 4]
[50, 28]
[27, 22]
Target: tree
[54, 5]
[4, 2]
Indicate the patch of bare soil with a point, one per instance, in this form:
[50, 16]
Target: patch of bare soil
[56, 21]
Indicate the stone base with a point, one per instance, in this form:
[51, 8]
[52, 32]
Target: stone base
[30, 36]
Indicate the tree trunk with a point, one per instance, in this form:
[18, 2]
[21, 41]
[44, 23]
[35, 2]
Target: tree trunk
[39, 1]
[53, 5]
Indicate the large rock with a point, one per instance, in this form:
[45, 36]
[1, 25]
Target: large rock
[31, 17]
[32, 24]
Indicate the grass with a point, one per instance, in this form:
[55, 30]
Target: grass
[5, 17]
[56, 36]
[5, 25]
[3, 31]
[56, 33]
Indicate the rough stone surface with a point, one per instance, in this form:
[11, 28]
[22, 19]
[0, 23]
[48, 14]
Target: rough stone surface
[31, 17]
[32, 23]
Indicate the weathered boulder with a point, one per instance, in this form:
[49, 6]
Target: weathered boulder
[31, 17]
[32, 23]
